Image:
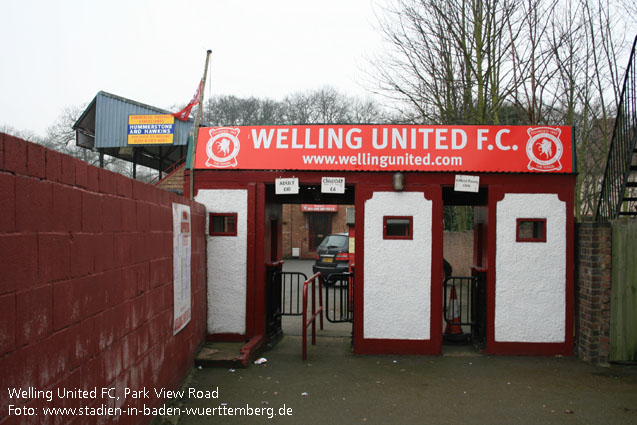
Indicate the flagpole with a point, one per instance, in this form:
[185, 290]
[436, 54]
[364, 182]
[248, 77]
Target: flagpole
[198, 118]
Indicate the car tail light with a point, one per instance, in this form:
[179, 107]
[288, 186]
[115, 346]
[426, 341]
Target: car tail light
[342, 256]
[316, 256]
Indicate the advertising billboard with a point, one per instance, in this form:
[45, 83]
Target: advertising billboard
[151, 129]
[518, 149]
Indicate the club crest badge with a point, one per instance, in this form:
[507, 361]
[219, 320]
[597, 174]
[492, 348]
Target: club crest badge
[544, 149]
[222, 147]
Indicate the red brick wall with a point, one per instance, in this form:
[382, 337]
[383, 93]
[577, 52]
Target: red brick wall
[458, 251]
[86, 286]
[295, 230]
[174, 181]
[592, 294]
[458, 246]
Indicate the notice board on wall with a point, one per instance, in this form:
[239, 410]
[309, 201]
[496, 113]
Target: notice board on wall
[181, 266]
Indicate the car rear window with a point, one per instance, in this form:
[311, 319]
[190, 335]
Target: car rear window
[334, 240]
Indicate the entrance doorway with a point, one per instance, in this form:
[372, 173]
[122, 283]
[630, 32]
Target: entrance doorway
[319, 226]
[465, 250]
[307, 218]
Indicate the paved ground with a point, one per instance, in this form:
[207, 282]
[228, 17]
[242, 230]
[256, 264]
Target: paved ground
[462, 387]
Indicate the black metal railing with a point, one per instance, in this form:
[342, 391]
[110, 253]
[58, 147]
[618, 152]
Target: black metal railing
[274, 327]
[291, 292]
[479, 306]
[339, 298]
[618, 192]
[458, 303]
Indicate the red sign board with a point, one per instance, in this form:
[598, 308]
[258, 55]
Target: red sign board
[519, 149]
[319, 208]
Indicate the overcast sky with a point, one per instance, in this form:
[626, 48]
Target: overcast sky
[61, 53]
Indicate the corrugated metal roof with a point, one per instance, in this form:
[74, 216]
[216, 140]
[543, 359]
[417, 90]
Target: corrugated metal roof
[106, 118]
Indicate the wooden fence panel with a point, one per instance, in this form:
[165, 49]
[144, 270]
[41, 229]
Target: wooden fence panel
[623, 332]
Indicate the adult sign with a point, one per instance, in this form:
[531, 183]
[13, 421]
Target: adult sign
[288, 186]
[516, 149]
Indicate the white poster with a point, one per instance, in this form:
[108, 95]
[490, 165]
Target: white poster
[288, 186]
[181, 266]
[333, 185]
[467, 184]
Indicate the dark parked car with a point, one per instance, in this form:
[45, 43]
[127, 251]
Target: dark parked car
[332, 255]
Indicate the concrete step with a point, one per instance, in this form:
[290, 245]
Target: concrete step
[220, 354]
[231, 354]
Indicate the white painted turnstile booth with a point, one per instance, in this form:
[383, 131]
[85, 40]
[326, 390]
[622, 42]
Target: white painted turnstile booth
[523, 180]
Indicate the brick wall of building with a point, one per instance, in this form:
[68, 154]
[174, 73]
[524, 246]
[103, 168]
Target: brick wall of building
[295, 229]
[458, 246]
[86, 287]
[592, 294]
[458, 251]
[174, 181]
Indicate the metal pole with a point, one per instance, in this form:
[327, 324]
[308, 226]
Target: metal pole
[198, 118]
[161, 161]
[134, 163]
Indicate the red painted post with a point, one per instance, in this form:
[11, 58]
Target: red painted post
[304, 324]
[321, 297]
[315, 312]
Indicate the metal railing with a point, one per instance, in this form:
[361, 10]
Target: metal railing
[458, 300]
[315, 312]
[169, 170]
[274, 327]
[619, 195]
[291, 292]
[339, 298]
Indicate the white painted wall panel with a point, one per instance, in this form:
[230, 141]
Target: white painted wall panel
[397, 287]
[530, 288]
[227, 262]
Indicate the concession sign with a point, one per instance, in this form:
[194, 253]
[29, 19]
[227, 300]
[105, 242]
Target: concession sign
[518, 149]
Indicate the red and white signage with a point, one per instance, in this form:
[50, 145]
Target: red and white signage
[516, 149]
[319, 208]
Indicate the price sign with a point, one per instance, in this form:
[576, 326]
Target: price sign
[287, 186]
[333, 185]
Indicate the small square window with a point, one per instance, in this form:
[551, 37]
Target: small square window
[223, 224]
[397, 227]
[531, 230]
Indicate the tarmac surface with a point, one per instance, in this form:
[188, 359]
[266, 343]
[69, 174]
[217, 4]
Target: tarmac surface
[463, 386]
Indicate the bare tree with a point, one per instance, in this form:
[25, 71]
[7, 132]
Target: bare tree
[60, 135]
[366, 111]
[233, 110]
[447, 59]
[22, 134]
[532, 62]
[321, 106]
[585, 41]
